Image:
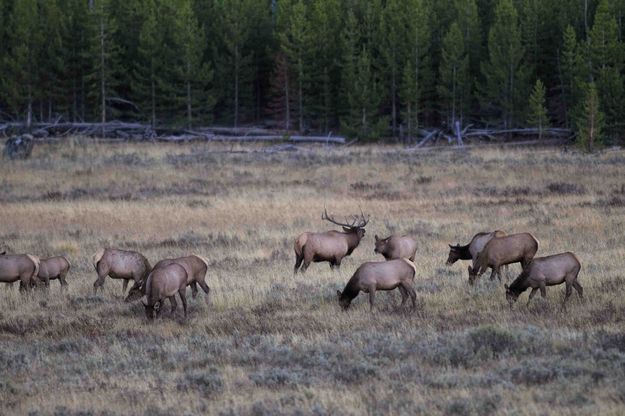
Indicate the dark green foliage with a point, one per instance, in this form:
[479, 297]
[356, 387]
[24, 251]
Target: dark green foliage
[366, 68]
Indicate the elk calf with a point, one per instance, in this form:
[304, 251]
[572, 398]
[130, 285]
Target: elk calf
[384, 275]
[499, 251]
[331, 246]
[162, 283]
[119, 264]
[396, 247]
[547, 271]
[54, 268]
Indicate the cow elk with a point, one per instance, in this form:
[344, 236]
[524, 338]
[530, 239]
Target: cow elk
[54, 268]
[19, 267]
[195, 266]
[547, 271]
[331, 246]
[500, 251]
[165, 282]
[384, 275]
[119, 264]
[396, 247]
[471, 250]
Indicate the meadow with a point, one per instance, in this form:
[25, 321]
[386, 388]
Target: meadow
[272, 343]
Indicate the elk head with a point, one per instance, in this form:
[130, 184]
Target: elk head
[357, 224]
[380, 245]
[454, 254]
[152, 311]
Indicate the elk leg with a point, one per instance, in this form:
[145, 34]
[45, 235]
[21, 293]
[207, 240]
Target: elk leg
[337, 264]
[25, 282]
[532, 293]
[413, 295]
[206, 290]
[124, 286]
[494, 272]
[62, 281]
[183, 298]
[102, 273]
[174, 305]
[193, 289]
[543, 290]
[507, 269]
[298, 263]
[404, 295]
[579, 289]
[371, 298]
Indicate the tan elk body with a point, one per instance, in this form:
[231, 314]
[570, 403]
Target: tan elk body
[163, 283]
[195, 266]
[19, 267]
[500, 251]
[54, 268]
[471, 250]
[384, 275]
[396, 247]
[547, 271]
[119, 264]
[330, 246]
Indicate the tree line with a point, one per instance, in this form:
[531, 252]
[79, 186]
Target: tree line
[367, 68]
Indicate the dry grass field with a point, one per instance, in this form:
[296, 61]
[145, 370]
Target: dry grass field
[273, 343]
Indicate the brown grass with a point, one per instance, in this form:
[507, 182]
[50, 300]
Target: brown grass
[272, 343]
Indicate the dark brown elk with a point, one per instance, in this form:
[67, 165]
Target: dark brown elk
[331, 246]
[196, 268]
[499, 251]
[165, 282]
[547, 271]
[396, 247]
[471, 250]
[119, 264]
[53, 268]
[19, 267]
[384, 275]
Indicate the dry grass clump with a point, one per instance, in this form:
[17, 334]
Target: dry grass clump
[272, 343]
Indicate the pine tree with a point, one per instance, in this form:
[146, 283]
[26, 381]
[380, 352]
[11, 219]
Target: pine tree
[76, 41]
[20, 63]
[572, 70]
[469, 23]
[590, 123]
[505, 88]
[538, 117]
[454, 84]
[195, 74]
[52, 68]
[393, 50]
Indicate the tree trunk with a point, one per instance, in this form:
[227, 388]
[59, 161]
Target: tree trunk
[236, 86]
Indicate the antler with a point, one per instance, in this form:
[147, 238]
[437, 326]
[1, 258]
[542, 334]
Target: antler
[358, 221]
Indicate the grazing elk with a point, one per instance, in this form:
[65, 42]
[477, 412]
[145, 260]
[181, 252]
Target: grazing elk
[331, 246]
[54, 268]
[547, 271]
[471, 250]
[383, 275]
[195, 266]
[19, 267]
[396, 247]
[119, 264]
[499, 251]
[165, 282]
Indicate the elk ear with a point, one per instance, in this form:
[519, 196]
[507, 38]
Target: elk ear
[450, 246]
[506, 286]
[338, 293]
[376, 237]
[144, 303]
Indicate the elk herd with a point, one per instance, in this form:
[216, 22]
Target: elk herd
[170, 277]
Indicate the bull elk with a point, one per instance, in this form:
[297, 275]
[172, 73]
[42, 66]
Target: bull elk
[500, 251]
[165, 282]
[384, 275]
[119, 264]
[195, 266]
[547, 271]
[331, 246]
[19, 267]
[54, 268]
[396, 247]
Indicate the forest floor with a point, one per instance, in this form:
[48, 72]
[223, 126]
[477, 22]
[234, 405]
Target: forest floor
[273, 343]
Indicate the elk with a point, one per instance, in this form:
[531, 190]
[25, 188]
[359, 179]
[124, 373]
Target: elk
[22, 267]
[471, 250]
[54, 268]
[119, 264]
[547, 271]
[331, 246]
[396, 247]
[165, 282]
[499, 251]
[383, 275]
[195, 266]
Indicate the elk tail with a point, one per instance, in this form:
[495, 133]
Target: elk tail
[97, 257]
[411, 264]
[36, 262]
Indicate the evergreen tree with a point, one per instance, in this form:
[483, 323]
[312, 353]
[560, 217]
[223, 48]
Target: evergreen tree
[454, 83]
[76, 41]
[51, 66]
[393, 51]
[505, 88]
[572, 72]
[469, 24]
[538, 117]
[590, 123]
